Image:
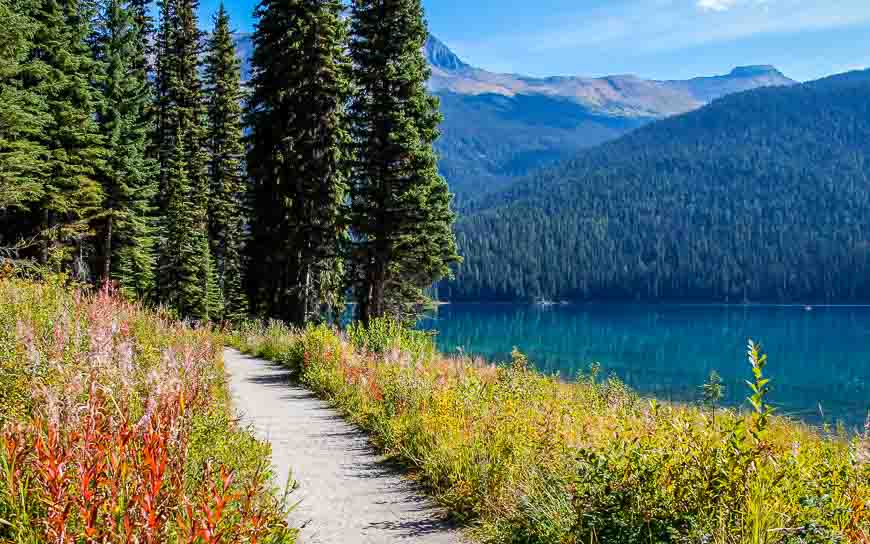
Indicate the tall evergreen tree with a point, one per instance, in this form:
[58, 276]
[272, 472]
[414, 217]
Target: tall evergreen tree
[62, 71]
[297, 157]
[182, 283]
[184, 260]
[162, 71]
[400, 217]
[22, 115]
[129, 181]
[140, 11]
[226, 169]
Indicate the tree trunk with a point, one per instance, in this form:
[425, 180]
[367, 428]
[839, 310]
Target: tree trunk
[107, 261]
[306, 295]
[46, 241]
[363, 304]
[378, 291]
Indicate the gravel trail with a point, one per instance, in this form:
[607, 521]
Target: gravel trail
[348, 493]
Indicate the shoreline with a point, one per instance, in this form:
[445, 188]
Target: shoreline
[488, 442]
[673, 304]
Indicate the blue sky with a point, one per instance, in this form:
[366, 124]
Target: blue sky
[662, 39]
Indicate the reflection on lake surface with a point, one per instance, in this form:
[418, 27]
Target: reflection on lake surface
[817, 358]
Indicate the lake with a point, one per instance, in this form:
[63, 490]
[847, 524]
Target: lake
[819, 360]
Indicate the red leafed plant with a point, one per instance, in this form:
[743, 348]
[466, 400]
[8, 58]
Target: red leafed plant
[102, 479]
[104, 454]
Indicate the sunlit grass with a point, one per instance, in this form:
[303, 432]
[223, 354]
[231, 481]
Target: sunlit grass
[524, 457]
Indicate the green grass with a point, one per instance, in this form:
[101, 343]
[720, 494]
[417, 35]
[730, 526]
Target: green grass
[117, 427]
[523, 457]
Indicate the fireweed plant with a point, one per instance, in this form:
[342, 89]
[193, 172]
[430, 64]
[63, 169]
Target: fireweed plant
[116, 428]
[524, 457]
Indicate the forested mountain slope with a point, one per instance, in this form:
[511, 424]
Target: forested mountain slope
[498, 128]
[760, 196]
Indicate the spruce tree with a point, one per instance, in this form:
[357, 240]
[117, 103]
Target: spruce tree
[184, 257]
[226, 171]
[297, 158]
[183, 284]
[22, 117]
[162, 72]
[140, 12]
[401, 219]
[61, 70]
[129, 181]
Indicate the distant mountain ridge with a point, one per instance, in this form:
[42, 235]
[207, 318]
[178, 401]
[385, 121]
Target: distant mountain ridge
[617, 95]
[500, 127]
[760, 196]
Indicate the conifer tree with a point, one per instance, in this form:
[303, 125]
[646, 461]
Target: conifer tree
[22, 115]
[183, 284]
[163, 56]
[184, 260]
[129, 181]
[140, 12]
[214, 296]
[401, 219]
[226, 171]
[61, 70]
[297, 157]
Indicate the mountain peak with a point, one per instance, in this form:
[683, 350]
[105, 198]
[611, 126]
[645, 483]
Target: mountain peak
[440, 56]
[755, 71]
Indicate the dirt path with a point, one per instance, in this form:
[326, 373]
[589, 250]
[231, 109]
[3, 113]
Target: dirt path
[349, 494]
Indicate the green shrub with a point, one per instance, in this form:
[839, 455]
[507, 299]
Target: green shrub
[385, 335]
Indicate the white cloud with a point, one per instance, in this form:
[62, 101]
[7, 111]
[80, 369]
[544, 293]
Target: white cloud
[658, 29]
[659, 25]
[725, 5]
[716, 5]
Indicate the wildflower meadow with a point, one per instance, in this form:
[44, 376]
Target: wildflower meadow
[117, 428]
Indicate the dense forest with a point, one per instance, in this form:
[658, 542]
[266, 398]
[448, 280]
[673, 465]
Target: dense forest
[760, 196]
[130, 153]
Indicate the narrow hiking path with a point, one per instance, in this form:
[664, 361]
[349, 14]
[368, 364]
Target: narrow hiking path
[349, 493]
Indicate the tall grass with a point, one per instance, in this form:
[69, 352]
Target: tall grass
[116, 427]
[524, 457]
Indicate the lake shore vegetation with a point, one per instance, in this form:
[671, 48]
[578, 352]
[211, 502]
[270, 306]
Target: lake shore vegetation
[524, 457]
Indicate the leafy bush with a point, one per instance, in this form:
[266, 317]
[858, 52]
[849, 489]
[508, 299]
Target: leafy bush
[525, 457]
[385, 335]
[116, 427]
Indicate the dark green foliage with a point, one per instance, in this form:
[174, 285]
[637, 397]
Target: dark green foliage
[226, 179]
[401, 222]
[60, 70]
[140, 12]
[184, 259]
[297, 158]
[162, 72]
[128, 176]
[761, 196]
[22, 112]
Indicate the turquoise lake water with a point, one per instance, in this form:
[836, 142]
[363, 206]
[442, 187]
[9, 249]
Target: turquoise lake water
[819, 359]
